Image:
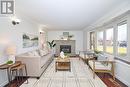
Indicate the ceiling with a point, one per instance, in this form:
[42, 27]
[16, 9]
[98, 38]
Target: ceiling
[66, 14]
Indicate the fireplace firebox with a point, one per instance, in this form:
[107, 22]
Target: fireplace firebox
[65, 48]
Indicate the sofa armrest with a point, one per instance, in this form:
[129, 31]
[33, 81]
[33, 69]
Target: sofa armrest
[32, 64]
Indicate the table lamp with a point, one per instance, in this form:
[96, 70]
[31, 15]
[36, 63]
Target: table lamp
[11, 51]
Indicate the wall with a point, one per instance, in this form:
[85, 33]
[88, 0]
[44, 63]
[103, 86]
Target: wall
[78, 36]
[10, 34]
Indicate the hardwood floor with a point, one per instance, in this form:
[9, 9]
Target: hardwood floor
[14, 83]
[107, 79]
[81, 76]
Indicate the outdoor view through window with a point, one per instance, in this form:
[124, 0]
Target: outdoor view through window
[122, 39]
[100, 41]
[109, 40]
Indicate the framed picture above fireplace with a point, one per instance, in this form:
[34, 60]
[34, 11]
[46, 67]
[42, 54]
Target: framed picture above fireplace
[66, 34]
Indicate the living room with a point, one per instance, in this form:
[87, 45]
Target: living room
[76, 27]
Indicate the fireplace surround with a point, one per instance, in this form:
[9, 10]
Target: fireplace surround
[68, 46]
[65, 48]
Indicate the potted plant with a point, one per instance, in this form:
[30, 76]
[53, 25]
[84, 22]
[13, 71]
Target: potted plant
[52, 45]
[9, 62]
[70, 36]
[97, 52]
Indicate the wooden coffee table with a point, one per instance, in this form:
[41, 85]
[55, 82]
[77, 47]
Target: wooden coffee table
[62, 64]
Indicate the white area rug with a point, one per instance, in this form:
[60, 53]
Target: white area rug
[80, 76]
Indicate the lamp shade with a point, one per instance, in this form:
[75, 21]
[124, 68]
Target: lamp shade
[11, 50]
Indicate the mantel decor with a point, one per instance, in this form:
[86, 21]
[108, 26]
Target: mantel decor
[66, 36]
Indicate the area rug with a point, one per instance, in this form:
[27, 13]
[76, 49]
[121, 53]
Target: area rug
[80, 76]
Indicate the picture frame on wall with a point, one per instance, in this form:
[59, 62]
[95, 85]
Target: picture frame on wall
[30, 40]
[65, 33]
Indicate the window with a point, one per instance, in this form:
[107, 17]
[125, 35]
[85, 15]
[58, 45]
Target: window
[109, 40]
[122, 39]
[100, 41]
[92, 40]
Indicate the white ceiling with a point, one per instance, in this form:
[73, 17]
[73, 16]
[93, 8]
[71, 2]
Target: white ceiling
[66, 14]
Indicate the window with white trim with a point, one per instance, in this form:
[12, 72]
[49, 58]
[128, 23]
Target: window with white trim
[100, 41]
[109, 40]
[122, 39]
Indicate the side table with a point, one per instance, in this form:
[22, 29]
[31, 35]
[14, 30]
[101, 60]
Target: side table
[8, 67]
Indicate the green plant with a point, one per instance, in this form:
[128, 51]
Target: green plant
[51, 44]
[96, 51]
[70, 36]
[9, 62]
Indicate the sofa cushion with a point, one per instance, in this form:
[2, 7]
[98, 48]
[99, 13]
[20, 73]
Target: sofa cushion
[30, 54]
[33, 53]
[43, 52]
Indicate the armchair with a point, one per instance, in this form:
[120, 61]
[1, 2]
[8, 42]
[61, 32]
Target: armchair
[102, 66]
[86, 56]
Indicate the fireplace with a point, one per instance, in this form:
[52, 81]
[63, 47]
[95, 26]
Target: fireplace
[65, 48]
